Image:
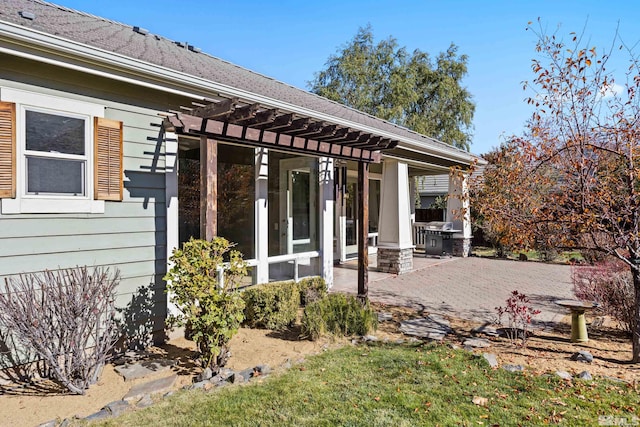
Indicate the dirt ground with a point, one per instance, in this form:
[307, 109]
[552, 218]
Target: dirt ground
[547, 351]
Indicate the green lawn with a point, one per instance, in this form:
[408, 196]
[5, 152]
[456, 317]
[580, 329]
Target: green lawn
[394, 385]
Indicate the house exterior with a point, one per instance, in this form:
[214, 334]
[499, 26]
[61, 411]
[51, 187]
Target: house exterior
[116, 145]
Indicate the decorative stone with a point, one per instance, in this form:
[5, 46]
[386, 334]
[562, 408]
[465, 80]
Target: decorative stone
[145, 402]
[491, 358]
[513, 368]
[51, 423]
[205, 375]
[144, 369]
[370, 338]
[385, 317]
[100, 415]
[584, 375]
[157, 386]
[564, 375]
[477, 342]
[261, 370]
[582, 356]
[486, 329]
[117, 407]
[432, 327]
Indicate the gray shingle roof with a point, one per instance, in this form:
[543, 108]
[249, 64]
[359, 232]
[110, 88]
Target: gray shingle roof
[122, 39]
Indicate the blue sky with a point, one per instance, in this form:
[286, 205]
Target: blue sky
[291, 40]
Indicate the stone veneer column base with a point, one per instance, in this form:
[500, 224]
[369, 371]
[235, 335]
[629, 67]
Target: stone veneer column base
[395, 260]
[461, 247]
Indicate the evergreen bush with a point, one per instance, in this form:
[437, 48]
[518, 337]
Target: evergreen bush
[340, 315]
[272, 305]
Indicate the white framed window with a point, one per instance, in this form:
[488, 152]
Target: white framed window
[54, 157]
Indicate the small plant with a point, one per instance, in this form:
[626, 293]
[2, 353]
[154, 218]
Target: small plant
[610, 284]
[213, 314]
[519, 316]
[339, 315]
[272, 305]
[66, 318]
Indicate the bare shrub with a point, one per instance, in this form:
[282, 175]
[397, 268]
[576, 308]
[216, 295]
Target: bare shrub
[610, 284]
[67, 318]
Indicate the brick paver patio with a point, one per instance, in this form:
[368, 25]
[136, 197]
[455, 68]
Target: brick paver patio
[467, 288]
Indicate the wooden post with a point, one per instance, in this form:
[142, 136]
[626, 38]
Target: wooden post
[208, 188]
[363, 231]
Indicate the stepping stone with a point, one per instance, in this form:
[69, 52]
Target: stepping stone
[432, 327]
[477, 342]
[144, 369]
[156, 386]
[513, 368]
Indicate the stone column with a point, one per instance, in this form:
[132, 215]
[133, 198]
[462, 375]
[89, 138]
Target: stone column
[395, 243]
[458, 212]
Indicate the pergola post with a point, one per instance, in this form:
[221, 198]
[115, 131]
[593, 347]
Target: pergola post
[363, 231]
[208, 188]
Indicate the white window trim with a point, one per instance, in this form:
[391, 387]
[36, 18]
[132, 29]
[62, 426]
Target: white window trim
[28, 203]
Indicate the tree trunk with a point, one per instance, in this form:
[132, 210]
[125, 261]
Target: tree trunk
[635, 328]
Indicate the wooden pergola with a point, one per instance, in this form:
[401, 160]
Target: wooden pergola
[253, 124]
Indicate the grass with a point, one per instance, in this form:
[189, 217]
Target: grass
[394, 385]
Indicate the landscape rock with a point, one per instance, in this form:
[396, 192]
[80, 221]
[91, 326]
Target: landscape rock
[486, 329]
[477, 342]
[564, 375]
[370, 338]
[205, 375]
[117, 407]
[513, 368]
[432, 327]
[582, 356]
[385, 317]
[584, 375]
[262, 370]
[156, 386]
[100, 415]
[52, 423]
[144, 368]
[491, 358]
[199, 385]
[145, 402]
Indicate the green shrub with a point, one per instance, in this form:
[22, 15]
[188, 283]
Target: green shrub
[340, 315]
[272, 305]
[212, 314]
[312, 289]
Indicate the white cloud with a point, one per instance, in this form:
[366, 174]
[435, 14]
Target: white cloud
[608, 91]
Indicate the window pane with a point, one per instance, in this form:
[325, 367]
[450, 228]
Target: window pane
[52, 133]
[236, 195]
[55, 176]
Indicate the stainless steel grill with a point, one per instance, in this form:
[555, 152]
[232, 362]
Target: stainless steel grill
[435, 237]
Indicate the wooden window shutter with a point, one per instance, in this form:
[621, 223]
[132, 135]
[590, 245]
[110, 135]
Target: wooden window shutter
[7, 150]
[108, 168]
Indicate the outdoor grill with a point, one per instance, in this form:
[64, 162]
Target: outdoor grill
[437, 237]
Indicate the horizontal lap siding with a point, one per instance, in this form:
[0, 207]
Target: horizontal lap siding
[129, 236]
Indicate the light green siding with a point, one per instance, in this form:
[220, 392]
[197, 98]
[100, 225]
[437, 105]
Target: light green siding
[130, 235]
